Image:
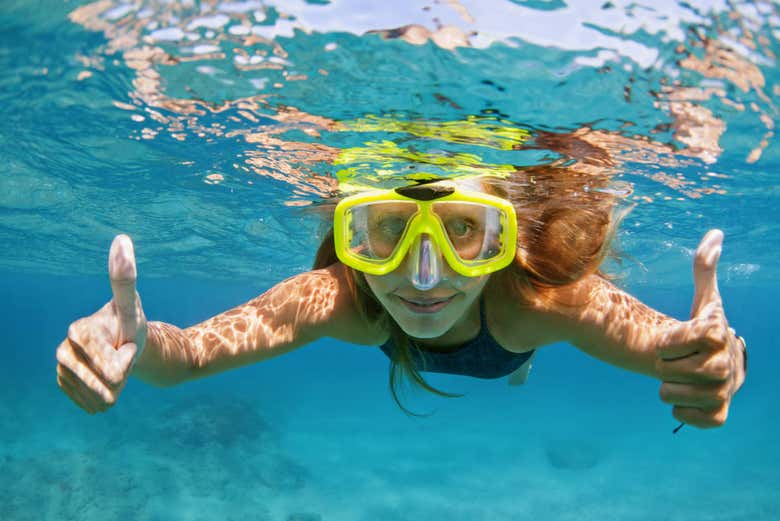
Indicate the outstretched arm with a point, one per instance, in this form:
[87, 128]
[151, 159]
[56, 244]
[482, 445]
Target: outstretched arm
[291, 314]
[616, 327]
[100, 351]
[700, 361]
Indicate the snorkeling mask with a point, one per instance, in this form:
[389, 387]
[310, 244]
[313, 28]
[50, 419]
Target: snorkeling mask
[475, 233]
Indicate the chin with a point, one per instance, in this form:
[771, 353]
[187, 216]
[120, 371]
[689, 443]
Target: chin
[424, 332]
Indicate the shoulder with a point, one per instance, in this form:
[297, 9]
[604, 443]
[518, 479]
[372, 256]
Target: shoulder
[524, 320]
[332, 306]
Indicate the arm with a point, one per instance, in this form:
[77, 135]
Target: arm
[96, 358]
[611, 325]
[701, 361]
[291, 314]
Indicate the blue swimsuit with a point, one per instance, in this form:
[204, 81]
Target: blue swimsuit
[481, 357]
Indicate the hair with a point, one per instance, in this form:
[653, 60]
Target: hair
[566, 221]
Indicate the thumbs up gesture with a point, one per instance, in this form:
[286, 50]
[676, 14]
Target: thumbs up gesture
[95, 360]
[701, 361]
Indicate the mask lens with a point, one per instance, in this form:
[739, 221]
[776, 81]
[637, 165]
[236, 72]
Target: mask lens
[474, 231]
[376, 228]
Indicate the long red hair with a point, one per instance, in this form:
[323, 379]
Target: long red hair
[566, 221]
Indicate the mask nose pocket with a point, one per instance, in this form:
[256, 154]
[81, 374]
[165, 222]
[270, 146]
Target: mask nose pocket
[425, 263]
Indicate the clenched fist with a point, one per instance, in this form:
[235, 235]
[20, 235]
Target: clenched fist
[95, 360]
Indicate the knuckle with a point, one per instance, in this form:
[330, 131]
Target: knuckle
[720, 369]
[103, 396]
[714, 335]
[62, 353]
[74, 331]
[114, 377]
[715, 420]
[665, 394]
[110, 400]
[720, 418]
[109, 371]
[66, 360]
[722, 395]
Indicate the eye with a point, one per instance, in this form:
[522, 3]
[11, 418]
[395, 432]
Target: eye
[459, 227]
[391, 226]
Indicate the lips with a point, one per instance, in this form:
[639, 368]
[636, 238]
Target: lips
[425, 304]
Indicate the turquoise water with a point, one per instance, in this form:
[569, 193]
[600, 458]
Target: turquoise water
[210, 131]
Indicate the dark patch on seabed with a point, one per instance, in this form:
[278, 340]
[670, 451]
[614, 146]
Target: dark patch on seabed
[572, 454]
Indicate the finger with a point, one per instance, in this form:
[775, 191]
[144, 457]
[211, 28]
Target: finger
[93, 401]
[76, 390]
[110, 364]
[705, 271]
[701, 418]
[705, 333]
[679, 341]
[122, 273]
[82, 373]
[707, 396]
[125, 356]
[69, 389]
[700, 368]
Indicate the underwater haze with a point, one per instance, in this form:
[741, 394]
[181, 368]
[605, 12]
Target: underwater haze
[214, 134]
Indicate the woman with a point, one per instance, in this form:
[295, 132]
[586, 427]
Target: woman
[468, 276]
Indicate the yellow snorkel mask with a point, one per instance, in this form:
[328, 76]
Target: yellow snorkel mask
[474, 232]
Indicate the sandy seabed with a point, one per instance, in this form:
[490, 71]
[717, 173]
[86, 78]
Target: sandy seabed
[210, 451]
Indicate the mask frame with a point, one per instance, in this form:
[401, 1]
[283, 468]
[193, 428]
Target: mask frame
[425, 221]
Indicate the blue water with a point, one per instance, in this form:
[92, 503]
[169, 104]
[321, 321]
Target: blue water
[212, 166]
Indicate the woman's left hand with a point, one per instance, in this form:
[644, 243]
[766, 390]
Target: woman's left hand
[701, 361]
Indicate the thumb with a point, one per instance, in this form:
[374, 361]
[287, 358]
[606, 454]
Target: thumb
[122, 273]
[126, 355]
[705, 271]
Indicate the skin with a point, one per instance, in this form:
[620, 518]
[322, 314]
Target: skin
[448, 327]
[698, 361]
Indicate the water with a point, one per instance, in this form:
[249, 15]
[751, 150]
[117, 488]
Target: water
[209, 132]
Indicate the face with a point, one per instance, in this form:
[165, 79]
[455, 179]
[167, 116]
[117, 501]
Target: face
[426, 313]
[430, 313]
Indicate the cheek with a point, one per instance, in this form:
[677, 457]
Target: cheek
[379, 284]
[469, 284]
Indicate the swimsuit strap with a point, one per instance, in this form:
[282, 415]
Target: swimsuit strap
[480, 357]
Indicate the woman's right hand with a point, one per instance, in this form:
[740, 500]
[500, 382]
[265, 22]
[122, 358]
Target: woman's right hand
[94, 362]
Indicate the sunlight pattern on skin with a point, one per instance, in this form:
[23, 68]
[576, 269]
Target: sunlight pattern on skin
[250, 332]
[621, 315]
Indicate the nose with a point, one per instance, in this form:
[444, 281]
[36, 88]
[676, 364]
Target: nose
[425, 263]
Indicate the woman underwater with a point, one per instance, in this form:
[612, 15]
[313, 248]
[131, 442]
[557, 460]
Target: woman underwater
[465, 276]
